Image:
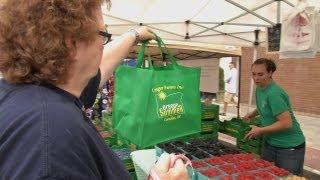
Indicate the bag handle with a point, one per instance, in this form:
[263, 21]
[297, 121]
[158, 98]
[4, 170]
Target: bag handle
[297, 9]
[161, 46]
[141, 53]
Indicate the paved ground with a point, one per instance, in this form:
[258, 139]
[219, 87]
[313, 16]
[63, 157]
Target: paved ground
[311, 128]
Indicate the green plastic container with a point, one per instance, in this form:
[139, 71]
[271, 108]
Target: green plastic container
[133, 175]
[210, 111]
[256, 121]
[207, 126]
[252, 146]
[208, 136]
[235, 128]
[216, 126]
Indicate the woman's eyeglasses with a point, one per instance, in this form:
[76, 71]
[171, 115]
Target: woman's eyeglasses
[106, 36]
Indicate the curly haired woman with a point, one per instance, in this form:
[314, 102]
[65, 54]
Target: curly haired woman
[49, 50]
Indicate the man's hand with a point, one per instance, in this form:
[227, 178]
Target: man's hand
[255, 131]
[247, 118]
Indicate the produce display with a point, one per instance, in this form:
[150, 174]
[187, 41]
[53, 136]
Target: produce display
[107, 94]
[198, 148]
[212, 159]
[237, 167]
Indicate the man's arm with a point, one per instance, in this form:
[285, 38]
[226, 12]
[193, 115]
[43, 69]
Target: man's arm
[251, 115]
[118, 49]
[114, 53]
[283, 122]
[234, 73]
[227, 79]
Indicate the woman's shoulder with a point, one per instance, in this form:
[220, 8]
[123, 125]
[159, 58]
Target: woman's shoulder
[276, 90]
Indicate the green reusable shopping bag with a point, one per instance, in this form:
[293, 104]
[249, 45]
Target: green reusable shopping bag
[156, 104]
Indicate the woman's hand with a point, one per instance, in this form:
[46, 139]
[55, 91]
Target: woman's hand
[254, 132]
[145, 33]
[165, 171]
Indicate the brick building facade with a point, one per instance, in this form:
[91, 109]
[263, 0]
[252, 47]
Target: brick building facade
[299, 77]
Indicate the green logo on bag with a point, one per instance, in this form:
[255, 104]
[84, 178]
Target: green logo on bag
[169, 106]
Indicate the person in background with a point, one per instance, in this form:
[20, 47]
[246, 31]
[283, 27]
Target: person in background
[49, 50]
[284, 140]
[231, 88]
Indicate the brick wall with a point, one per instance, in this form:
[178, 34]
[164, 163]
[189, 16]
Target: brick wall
[300, 78]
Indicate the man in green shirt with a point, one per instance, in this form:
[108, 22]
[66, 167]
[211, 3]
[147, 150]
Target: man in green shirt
[284, 140]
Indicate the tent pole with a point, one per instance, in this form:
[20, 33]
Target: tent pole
[229, 20]
[255, 52]
[251, 81]
[137, 24]
[228, 23]
[250, 11]
[289, 3]
[233, 33]
[221, 33]
[162, 30]
[187, 30]
[278, 11]
[239, 86]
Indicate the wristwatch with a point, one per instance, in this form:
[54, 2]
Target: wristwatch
[136, 34]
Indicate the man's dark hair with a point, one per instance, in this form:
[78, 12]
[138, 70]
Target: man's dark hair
[269, 64]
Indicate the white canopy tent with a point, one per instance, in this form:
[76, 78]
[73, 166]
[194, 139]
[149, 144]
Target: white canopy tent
[205, 25]
[222, 22]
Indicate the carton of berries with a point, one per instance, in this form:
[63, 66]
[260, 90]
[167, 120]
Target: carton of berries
[213, 159]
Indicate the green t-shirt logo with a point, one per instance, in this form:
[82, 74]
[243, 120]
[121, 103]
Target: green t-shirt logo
[263, 104]
[169, 106]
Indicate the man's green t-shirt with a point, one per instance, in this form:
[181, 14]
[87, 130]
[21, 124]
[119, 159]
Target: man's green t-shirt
[271, 102]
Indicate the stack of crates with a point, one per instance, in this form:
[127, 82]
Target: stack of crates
[209, 121]
[250, 145]
[253, 145]
[235, 128]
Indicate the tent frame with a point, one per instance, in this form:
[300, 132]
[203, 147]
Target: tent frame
[217, 24]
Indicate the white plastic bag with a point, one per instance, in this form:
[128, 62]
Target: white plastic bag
[299, 32]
